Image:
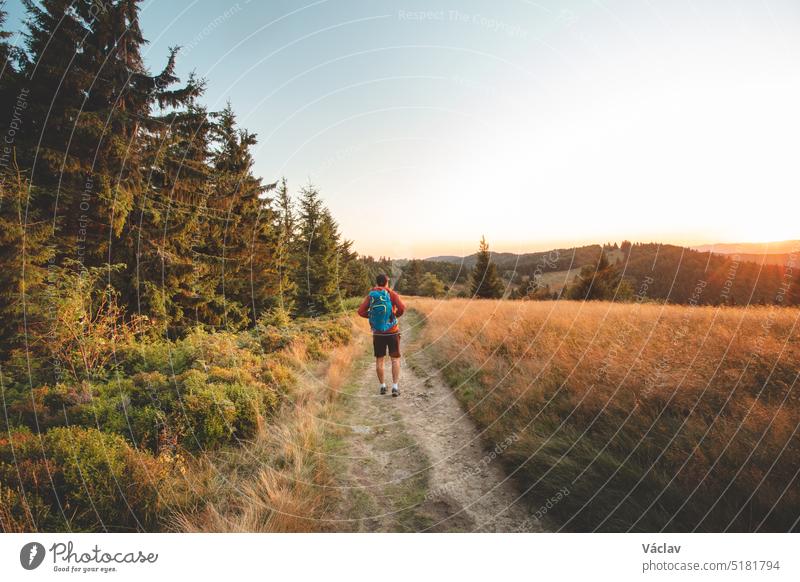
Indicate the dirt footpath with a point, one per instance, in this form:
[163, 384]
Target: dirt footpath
[416, 462]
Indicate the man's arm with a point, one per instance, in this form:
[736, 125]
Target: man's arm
[399, 306]
[363, 309]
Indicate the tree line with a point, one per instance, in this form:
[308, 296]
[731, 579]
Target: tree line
[117, 175]
[612, 272]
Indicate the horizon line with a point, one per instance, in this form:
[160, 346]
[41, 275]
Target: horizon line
[693, 246]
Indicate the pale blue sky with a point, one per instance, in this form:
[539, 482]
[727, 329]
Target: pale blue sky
[538, 124]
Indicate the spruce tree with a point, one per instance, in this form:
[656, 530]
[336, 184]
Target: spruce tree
[166, 236]
[54, 72]
[24, 236]
[238, 231]
[316, 250]
[285, 257]
[354, 277]
[485, 283]
[92, 102]
[412, 277]
[24, 256]
[9, 87]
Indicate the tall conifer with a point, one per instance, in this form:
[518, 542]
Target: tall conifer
[485, 283]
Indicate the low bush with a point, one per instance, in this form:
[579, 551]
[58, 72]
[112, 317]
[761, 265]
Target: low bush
[115, 436]
[77, 479]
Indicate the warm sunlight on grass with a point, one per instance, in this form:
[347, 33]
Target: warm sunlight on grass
[654, 417]
[277, 483]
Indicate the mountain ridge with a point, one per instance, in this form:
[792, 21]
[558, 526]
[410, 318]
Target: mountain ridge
[750, 248]
[772, 253]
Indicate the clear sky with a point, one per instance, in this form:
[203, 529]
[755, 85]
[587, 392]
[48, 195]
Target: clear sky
[556, 122]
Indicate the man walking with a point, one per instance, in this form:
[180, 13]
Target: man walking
[382, 307]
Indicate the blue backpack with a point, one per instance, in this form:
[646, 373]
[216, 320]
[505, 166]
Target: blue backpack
[381, 317]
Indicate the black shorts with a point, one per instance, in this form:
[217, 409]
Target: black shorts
[383, 342]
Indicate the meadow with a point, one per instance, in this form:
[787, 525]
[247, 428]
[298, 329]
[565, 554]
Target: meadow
[632, 417]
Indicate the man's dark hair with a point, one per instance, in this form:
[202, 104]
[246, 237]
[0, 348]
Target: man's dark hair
[381, 280]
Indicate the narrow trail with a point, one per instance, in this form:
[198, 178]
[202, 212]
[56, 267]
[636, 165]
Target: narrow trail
[417, 462]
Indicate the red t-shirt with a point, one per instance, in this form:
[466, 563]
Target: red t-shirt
[398, 308]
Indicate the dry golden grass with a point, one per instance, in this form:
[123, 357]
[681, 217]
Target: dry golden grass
[276, 483]
[654, 417]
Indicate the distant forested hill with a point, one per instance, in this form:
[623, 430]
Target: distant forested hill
[773, 248]
[526, 264]
[670, 272]
[677, 272]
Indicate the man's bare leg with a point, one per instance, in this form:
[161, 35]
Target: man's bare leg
[379, 369]
[395, 376]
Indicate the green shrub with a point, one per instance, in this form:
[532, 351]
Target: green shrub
[209, 417]
[80, 480]
[202, 391]
[320, 335]
[167, 357]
